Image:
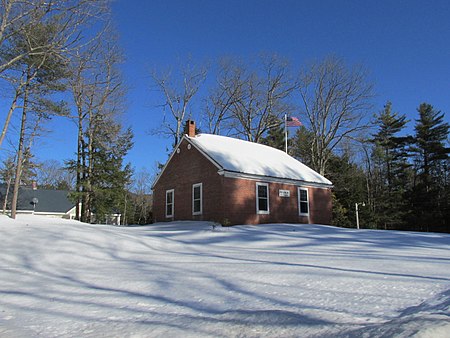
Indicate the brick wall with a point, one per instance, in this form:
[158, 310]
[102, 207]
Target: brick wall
[240, 203]
[186, 168]
[320, 204]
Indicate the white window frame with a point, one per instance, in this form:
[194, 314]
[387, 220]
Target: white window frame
[200, 185]
[300, 201]
[262, 212]
[171, 191]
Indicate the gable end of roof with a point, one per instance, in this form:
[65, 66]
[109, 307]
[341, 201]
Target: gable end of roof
[187, 139]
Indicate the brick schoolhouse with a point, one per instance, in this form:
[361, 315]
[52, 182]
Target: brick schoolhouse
[231, 181]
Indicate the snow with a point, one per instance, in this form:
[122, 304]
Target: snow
[61, 278]
[255, 159]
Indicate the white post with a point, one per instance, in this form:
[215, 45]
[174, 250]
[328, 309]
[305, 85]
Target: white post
[285, 133]
[357, 216]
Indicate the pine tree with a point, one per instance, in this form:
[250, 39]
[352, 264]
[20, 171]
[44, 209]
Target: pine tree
[430, 149]
[446, 195]
[275, 135]
[302, 145]
[349, 188]
[431, 157]
[390, 159]
[110, 176]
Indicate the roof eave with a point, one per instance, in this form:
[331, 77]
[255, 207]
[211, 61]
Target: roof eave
[274, 179]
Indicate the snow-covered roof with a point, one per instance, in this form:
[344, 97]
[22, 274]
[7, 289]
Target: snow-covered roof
[250, 158]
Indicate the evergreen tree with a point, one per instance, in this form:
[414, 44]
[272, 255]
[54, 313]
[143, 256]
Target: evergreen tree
[390, 159]
[349, 188]
[430, 149]
[446, 197]
[429, 198]
[302, 145]
[275, 135]
[109, 175]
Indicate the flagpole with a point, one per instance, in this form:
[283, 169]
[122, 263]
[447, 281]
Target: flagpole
[285, 132]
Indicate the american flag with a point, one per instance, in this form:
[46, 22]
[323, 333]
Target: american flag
[293, 122]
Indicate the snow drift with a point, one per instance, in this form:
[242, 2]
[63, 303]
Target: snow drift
[68, 279]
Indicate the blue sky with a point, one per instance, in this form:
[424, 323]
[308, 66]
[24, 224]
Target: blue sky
[405, 45]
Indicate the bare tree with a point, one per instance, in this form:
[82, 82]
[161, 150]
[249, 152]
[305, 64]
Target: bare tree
[7, 176]
[51, 174]
[335, 101]
[142, 188]
[217, 110]
[178, 93]
[246, 100]
[98, 90]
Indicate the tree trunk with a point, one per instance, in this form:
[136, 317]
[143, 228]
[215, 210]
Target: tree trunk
[5, 202]
[79, 168]
[18, 173]
[90, 169]
[83, 186]
[8, 117]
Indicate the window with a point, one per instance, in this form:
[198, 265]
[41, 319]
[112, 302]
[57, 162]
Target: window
[303, 203]
[197, 199]
[170, 202]
[262, 198]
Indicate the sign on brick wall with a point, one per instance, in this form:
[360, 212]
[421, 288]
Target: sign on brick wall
[284, 193]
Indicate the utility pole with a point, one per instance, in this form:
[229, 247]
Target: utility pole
[357, 213]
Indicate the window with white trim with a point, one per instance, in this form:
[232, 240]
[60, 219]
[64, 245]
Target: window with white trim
[262, 198]
[170, 202]
[303, 202]
[197, 199]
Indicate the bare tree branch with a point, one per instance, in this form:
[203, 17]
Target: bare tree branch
[335, 100]
[178, 94]
[245, 100]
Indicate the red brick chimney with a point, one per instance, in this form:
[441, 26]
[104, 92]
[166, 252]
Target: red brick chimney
[190, 128]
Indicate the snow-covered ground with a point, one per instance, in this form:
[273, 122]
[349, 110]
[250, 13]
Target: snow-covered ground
[62, 278]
